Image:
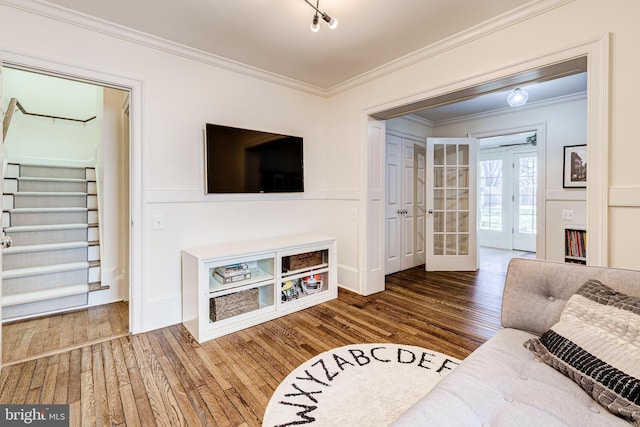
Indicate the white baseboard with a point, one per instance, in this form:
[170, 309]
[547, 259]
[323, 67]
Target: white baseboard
[348, 278]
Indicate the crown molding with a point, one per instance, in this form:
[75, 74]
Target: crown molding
[98, 25]
[420, 120]
[505, 110]
[88, 22]
[485, 28]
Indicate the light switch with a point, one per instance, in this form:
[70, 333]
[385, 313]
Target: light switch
[158, 222]
[568, 215]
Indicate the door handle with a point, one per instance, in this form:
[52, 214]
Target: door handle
[6, 241]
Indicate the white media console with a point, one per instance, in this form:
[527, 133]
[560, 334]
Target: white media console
[232, 286]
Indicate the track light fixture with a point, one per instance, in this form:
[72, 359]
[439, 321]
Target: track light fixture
[333, 22]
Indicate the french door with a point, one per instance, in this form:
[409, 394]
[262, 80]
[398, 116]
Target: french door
[405, 204]
[451, 243]
[508, 211]
[525, 185]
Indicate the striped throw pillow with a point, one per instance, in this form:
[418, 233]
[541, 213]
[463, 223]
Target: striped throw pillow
[596, 343]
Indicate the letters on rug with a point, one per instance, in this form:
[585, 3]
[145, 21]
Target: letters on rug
[358, 384]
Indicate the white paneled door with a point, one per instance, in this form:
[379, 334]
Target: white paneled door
[451, 204]
[405, 204]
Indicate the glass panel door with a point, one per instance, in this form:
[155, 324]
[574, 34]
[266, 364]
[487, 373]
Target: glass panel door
[525, 186]
[451, 240]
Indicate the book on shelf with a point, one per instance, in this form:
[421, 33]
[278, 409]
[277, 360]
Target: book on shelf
[575, 243]
[232, 273]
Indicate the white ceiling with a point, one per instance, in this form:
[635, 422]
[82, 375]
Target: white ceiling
[496, 101]
[274, 36]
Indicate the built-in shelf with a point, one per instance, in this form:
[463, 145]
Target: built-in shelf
[233, 286]
[575, 244]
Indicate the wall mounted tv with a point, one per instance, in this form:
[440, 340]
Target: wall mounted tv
[249, 161]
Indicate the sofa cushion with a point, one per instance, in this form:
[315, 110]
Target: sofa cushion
[502, 384]
[596, 343]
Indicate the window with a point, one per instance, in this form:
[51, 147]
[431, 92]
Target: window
[491, 195]
[528, 168]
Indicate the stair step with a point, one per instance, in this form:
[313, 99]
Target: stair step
[46, 210]
[46, 184]
[43, 247]
[50, 193]
[49, 215]
[44, 227]
[37, 271]
[52, 171]
[44, 295]
[46, 179]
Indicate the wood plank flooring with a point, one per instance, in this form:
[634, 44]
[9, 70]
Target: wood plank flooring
[165, 378]
[24, 340]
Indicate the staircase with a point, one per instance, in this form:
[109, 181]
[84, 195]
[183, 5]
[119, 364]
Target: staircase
[51, 214]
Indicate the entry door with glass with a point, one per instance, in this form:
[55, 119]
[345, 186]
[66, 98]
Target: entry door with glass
[524, 201]
[451, 204]
[508, 189]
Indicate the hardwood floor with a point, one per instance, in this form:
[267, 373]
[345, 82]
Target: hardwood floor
[163, 377]
[24, 340]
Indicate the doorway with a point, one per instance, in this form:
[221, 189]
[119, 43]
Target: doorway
[104, 146]
[405, 202]
[595, 53]
[508, 182]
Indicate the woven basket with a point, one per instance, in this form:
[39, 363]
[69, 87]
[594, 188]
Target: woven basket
[233, 304]
[300, 261]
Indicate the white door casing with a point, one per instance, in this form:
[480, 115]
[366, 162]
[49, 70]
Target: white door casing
[27, 63]
[451, 204]
[1, 209]
[372, 236]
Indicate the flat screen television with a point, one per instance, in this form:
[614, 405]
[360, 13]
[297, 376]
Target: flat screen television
[250, 161]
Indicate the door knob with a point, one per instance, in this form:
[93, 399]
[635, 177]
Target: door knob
[6, 241]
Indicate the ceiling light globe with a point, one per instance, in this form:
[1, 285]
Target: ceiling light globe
[517, 97]
[333, 23]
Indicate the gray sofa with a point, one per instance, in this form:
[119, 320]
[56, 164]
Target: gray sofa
[502, 383]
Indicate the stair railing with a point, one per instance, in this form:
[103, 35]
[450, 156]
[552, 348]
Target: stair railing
[13, 103]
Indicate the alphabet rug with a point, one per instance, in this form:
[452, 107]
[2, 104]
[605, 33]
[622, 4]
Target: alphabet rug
[356, 385]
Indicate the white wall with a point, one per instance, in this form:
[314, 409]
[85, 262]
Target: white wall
[45, 140]
[112, 172]
[566, 124]
[567, 27]
[178, 95]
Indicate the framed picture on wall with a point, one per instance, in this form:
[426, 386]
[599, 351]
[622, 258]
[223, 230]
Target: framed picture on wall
[575, 166]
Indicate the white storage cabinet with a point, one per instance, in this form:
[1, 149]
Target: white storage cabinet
[265, 279]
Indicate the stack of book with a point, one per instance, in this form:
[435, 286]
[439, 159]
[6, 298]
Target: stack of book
[232, 273]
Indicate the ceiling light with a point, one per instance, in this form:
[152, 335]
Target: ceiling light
[314, 24]
[517, 97]
[333, 22]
